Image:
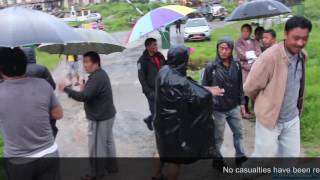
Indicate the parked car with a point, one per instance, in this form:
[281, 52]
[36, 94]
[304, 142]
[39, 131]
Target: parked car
[217, 11]
[197, 29]
[93, 17]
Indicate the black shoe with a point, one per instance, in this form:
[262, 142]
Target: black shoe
[218, 164]
[148, 122]
[241, 160]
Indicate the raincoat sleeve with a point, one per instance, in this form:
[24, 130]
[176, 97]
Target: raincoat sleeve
[143, 79]
[48, 77]
[89, 92]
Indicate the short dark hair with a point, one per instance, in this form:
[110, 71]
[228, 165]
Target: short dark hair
[246, 26]
[298, 22]
[94, 57]
[13, 62]
[271, 32]
[149, 41]
[258, 29]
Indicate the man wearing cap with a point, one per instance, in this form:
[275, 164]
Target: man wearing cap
[224, 79]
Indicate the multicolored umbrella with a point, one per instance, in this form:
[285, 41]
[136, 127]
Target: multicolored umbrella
[158, 18]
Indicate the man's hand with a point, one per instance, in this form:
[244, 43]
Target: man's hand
[243, 110]
[216, 90]
[82, 84]
[61, 85]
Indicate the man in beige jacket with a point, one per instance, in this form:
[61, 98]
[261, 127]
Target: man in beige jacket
[276, 82]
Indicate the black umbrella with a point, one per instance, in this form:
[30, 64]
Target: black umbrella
[258, 9]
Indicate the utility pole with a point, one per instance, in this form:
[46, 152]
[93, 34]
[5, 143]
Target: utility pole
[137, 9]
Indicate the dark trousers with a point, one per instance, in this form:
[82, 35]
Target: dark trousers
[38, 169]
[151, 102]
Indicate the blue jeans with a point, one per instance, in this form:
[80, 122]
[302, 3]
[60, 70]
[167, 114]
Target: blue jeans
[234, 120]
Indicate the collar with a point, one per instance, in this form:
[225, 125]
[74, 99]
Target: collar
[291, 56]
[95, 72]
[219, 61]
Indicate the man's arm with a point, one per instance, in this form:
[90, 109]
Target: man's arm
[207, 76]
[258, 77]
[207, 82]
[242, 97]
[89, 92]
[240, 49]
[56, 111]
[48, 78]
[143, 79]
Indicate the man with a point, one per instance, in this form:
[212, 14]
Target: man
[27, 104]
[269, 38]
[38, 71]
[183, 115]
[247, 51]
[258, 33]
[277, 83]
[149, 65]
[178, 26]
[100, 111]
[223, 77]
[73, 69]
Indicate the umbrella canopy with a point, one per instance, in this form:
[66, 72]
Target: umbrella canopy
[258, 9]
[158, 18]
[92, 40]
[21, 26]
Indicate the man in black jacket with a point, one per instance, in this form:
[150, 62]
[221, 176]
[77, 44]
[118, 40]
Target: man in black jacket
[223, 78]
[39, 71]
[100, 111]
[149, 65]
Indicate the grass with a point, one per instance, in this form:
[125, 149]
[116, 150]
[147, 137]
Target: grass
[229, 6]
[1, 145]
[116, 15]
[48, 60]
[206, 51]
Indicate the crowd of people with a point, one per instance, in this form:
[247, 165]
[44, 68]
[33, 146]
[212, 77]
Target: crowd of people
[187, 117]
[270, 73]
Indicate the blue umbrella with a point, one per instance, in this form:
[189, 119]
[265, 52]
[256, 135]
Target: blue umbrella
[258, 9]
[21, 26]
